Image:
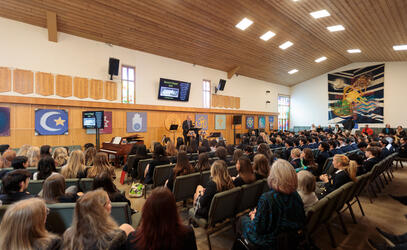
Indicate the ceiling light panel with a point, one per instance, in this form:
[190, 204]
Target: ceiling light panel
[286, 45]
[321, 59]
[293, 71]
[244, 24]
[266, 36]
[352, 51]
[335, 28]
[320, 14]
[400, 47]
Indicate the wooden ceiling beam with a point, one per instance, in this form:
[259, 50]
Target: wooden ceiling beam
[233, 71]
[52, 26]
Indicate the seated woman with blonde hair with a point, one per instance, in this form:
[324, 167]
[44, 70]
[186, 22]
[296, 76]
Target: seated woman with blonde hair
[306, 188]
[23, 227]
[279, 211]
[75, 168]
[60, 156]
[93, 227]
[101, 165]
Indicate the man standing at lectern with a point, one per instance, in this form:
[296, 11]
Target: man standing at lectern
[186, 125]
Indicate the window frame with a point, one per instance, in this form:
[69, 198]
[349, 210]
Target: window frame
[209, 93]
[289, 111]
[127, 80]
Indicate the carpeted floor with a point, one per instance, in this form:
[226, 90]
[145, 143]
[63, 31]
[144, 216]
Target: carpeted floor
[384, 212]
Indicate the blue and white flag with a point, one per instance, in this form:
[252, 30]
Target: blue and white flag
[51, 122]
[136, 122]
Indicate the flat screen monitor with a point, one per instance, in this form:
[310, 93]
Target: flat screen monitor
[93, 119]
[174, 90]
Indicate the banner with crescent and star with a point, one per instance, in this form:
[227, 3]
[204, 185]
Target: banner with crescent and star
[51, 122]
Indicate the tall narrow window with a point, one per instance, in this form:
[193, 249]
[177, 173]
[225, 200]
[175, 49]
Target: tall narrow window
[283, 112]
[206, 93]
[128, 82]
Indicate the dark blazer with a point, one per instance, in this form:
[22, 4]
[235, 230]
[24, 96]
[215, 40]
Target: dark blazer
[287, 153]
[321, 159]
[152, 165]
[388, 131]
[296, 163]
[384, 153]
[368, 164]
[346, 148]
[354, 146]
[337, 180]
[403, 151]
[14, 197]
[185, 126]
[206, 199]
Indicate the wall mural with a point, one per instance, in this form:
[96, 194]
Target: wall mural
[356, 93]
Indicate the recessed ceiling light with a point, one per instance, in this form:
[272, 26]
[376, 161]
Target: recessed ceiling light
[296, 0]
[352, 51]
[244, 24]
[400, 47]
[293, 71]
[335, 28]
[321, 59]
[319, 14]
[266, 36]
[286, 45]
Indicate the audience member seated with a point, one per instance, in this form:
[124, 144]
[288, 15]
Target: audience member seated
[159, 158]
[387, 149]
[46, 167]
[333, 148]
[306, 188]
[183, 167]
[203, 163]
[161, 230]
[170, 149]
[230, 149]
[308, 162]
[220, 181]
[193, 146]
[15, 184]
[88, 145]
[23, 227]
[281, 205]
[101, 165]
[261, 166]
[296, 157]
[23, 150]
[90, 154]
[359, 159]
[8, 157]
[53, 190]
[93, 227]
[236, 155]
[33, 155]
[245, 172]
[323, 155]
[20, 162]
[205, 144]
[104, 181]
[403, 148]
[387, 130]
[140, 153]
[60, 156]
[182, 148]
[362, 146]
[75, 168]
[372, 158]
[45, 151]
[248, 151]
[400, 133]
[221, 153]
[264, 149]
[367, 131]
[345, 172]
[3, 148]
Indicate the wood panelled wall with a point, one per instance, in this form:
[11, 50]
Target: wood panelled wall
[65, 86]
[22, 121]
[223, 101]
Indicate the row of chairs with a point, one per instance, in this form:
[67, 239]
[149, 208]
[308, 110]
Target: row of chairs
[61, 215]
[30, 169]
[343, 198]
[227, 206]
[84, 185]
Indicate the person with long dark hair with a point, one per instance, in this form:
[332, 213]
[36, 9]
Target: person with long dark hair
[45, 150]
[245, 171]
[161, 230]
[53, 190]
[159, 158]
[140, 154]
[105, 182]
[203, 162]
[183, 167]
[46, 167]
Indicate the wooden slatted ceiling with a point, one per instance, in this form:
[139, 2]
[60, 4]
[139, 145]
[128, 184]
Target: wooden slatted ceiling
[203, 32]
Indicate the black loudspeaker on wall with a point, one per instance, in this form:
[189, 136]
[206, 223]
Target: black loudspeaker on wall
[113, 67]
[222, 84]
[237, 119]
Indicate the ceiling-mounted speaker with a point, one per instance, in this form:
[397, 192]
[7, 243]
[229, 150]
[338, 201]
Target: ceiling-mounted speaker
[113, 67]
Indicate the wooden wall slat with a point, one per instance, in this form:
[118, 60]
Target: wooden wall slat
[63, 85]
[5, 79]
[222, 101]
[44, 83]
[23, 81]
[110, 91]
[80, 87]
[96, 89]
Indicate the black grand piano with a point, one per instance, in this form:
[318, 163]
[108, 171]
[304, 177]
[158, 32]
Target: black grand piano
[121, 146]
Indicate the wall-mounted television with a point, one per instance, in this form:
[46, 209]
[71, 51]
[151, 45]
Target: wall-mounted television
[93, 119]
[173, 90]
